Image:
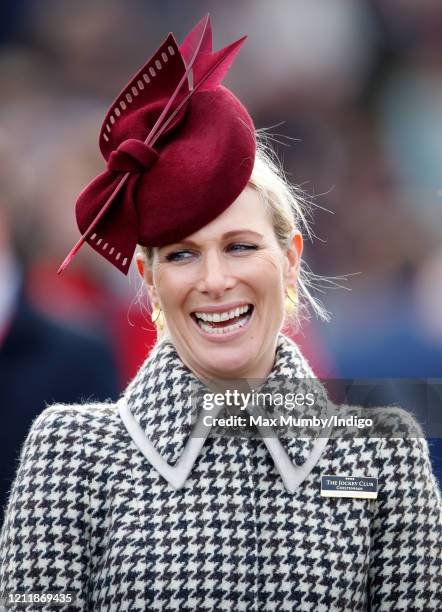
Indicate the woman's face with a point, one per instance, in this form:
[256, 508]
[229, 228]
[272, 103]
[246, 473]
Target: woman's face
[222, 291]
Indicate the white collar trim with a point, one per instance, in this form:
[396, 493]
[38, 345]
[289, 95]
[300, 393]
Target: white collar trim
[292, 475]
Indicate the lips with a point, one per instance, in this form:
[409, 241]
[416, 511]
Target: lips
[223, 321]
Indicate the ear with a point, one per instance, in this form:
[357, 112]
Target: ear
[139, 259]
[293, 258]
[147, 276]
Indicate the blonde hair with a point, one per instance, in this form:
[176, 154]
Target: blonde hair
[289, 209]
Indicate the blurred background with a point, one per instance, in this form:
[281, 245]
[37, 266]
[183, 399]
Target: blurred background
[353, 91]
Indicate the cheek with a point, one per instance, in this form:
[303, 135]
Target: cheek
[172, 287]
[163, 284]
[270, 267]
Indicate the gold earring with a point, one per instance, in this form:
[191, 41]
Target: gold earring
[157, 317]
[291, 301]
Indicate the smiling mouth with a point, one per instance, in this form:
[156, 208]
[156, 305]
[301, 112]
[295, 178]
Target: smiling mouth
[223, 322]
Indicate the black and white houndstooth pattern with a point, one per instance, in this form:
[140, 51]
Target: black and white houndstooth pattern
[87, 513]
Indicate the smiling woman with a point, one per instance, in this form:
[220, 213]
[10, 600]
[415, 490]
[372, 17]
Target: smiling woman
[282, 209]
[155, 503]
[222, 289]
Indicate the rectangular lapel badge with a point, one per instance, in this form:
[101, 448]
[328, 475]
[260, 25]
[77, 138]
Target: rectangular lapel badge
[363, 487]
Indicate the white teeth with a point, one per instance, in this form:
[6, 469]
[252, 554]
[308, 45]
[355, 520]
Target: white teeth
[216, 317]
[222, 330]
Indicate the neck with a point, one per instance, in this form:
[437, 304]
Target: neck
[260, 369]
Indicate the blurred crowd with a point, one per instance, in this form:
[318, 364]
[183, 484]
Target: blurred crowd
[351, 96]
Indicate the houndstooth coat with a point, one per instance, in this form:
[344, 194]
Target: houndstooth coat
[89, 514]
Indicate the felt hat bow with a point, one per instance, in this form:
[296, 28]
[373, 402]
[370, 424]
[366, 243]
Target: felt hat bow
[179, 151]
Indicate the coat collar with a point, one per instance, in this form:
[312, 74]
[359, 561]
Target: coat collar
[157, 406]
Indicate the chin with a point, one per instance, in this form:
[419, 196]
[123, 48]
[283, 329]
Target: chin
[229, 363]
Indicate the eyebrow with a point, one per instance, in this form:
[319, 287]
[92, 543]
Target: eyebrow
[241, 231]
[225, 236]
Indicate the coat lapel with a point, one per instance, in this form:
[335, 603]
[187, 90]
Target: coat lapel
[158, 398]
[158, 406]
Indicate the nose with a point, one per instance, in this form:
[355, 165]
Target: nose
[215, 278]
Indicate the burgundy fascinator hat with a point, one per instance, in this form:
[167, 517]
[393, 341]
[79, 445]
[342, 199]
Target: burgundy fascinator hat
[179, 149]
